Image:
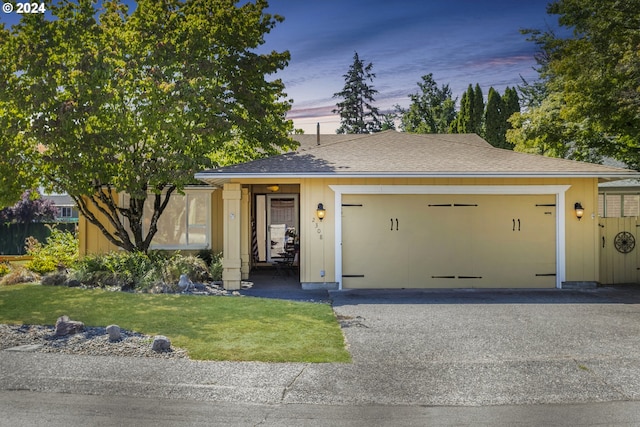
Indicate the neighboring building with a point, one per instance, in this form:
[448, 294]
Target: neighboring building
[401, 211]
[65, 207]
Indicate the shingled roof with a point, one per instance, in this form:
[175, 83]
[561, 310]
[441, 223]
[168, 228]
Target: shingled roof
[399, 154]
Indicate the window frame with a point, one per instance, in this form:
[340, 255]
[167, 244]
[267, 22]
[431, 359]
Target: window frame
[205, 191]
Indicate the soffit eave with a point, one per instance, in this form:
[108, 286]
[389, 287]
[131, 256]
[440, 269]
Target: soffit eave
[218, 179]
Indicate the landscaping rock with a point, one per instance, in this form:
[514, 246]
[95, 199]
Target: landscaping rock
[114, 333]
[161, 343]
[185, 284]
[194, 289]
[66, 326]
[91, 342]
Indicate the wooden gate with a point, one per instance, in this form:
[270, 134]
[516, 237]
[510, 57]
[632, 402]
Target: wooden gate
[619, 250]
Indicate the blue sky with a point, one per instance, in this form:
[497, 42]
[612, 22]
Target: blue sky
[459, 41]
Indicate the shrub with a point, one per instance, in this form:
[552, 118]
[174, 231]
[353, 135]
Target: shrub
[215, 268]
[60, 252]
[5, 268]
[194, 267]
[136, 270]
[207, 255]
[127, 270]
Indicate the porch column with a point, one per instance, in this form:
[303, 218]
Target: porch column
[231, 263]
[245, 228]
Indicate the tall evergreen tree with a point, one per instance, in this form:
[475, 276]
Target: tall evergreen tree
[357, 112]
[511, 101]
[477, 111]
[496, 117]
[432, 109]
[511, 106]
[471, 115]
[494, 120]
[463, 121]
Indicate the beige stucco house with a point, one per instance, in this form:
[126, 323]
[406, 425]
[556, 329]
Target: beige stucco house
[400, 211]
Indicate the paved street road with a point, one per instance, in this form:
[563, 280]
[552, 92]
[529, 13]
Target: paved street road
[523, 358]
[32, 409]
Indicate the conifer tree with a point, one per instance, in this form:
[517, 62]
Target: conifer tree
[494, 120]
[477, 111]
[463, 121]
[511, 103]
[496, 117]
[471, 115]
[357, 112]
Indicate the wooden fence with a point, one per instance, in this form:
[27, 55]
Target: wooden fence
[619, 250]
[12, 236]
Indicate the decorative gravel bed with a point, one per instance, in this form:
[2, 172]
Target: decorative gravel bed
[91, 341]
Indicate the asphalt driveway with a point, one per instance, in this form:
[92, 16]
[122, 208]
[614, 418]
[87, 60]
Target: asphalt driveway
[430, 348]
[479, 347]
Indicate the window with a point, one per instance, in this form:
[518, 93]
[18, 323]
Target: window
[185, 222]
[66, 212]
[618, 205]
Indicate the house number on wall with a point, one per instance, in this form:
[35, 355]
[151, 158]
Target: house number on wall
[624, 242]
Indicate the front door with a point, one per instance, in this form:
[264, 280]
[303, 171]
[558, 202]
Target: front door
[281, 224]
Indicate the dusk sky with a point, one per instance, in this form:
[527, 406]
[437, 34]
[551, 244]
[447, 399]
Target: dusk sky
[459, 41]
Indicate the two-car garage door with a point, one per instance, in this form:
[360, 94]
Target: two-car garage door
[446, 241]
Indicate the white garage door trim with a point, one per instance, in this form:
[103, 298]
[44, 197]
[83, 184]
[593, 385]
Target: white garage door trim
[558, 190]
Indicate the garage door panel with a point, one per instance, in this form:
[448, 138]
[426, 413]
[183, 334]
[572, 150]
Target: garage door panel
[449, 241]
[434, 253]
[374, 252]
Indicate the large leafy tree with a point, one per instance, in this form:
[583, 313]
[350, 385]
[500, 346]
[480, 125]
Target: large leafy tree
[591, 80]
[100, 102]
[357, 111]
[432, 110]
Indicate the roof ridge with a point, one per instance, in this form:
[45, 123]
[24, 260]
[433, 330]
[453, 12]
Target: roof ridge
[329, 144]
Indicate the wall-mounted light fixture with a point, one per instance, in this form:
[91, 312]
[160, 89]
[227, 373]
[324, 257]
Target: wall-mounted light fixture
[273, 188]
[320, 211]
[579, 210]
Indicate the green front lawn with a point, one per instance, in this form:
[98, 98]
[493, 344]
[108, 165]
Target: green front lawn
[209, 328]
